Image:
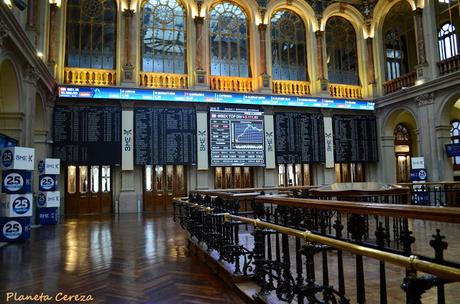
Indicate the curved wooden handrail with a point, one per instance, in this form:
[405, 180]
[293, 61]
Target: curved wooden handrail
[412, 262]
[439, 214]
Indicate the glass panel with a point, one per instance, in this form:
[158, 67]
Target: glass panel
[218, 178]
[290, 174]
[91, 34]
[238, 177]
[228, 40]
[106, 179]
[298, 175]
[341, 51]
[71, 179]
[148, 178]
[163, 37]
[159, 178]
[180, 177]
[228, 182]
[95, 179]
[83, 181]
[307, 180]
[281, 175]
[169, 178]
[247, 177]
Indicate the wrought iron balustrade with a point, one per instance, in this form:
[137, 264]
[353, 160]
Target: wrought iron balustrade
[310, 270]
[445, 194]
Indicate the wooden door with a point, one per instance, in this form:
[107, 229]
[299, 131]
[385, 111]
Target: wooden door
[106, 190]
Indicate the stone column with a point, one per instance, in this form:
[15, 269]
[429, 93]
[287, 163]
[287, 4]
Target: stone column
[127, 201]
[444, 163]
[420, 45]
[52, 37]
[200, 81]
[370, 61]
[128, 66]
[425, 116]
[320, 53]
[31, 13]
[263, 57]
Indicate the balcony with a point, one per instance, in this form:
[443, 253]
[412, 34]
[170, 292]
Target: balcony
[449, 65]
[235, 84]
[345, 91]
[290, 87]
[163, 80]
[394, 85]
[93, 77]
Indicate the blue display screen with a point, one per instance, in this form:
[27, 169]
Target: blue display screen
[213, 97]
[6, 141]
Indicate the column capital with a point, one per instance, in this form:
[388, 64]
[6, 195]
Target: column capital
[262, 27]
[128, 13]
[199, 20]
[424, 99]
[31, 74]
[54, 6]
[418, 11]
[319, 34]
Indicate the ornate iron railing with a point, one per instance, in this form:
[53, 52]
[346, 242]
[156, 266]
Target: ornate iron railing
[235, 84]
[290, 87]
[94, 77]
[435, 193]
[163, 80]
[345, 90]
[280, 256]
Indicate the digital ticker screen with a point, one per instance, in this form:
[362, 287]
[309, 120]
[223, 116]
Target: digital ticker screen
[236, 137]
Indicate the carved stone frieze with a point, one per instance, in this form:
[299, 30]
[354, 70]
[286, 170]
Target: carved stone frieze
[4, 32]
[424, 99]
[31, 74]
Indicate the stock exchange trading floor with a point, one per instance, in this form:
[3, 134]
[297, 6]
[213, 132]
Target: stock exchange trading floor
[114, 259]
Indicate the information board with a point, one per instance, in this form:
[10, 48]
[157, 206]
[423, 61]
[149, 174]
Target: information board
[165, 136]
[355, 138]
[159, 95]
[6, 141]
[299, 138]
[87, 134]
[236, 137]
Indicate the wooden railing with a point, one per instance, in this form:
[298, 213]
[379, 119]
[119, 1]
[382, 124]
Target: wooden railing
[235, 84]
[291, 87]
[94, 77]
[449, 65]
[394, 85]
[163, 80]
[345, 90]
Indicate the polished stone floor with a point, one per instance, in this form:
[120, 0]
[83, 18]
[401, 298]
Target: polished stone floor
[114, 259]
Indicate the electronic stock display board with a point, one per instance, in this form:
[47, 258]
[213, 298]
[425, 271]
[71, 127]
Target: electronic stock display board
[159, 95]
[236, 137]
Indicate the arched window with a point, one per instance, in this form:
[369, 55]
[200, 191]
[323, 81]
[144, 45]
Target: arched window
[163, 37]
[394, 52]
[288, 47]
[229, 40]
[455, 137]
[447, 41]
[342, 63]
[399, 43]
[91, 32]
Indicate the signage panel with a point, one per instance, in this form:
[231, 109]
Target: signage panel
[329, 142]
[418, 175]
[269, 142]
[48, 182]
[212, 97]
[47, 216]
[49, 166]
[202, 135]
[16, 182]
[49, 199]
[418, 162]
[127, 140]
[17, 158]
[236, 137]
[14, 229]
[16, 205]
[6, 141]
[453, 150]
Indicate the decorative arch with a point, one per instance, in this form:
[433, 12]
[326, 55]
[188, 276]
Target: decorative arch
[301, 8]
[381, 10]
[445, 114]
[395, 116]
[346, 11]
[250, 7]
[10, 87]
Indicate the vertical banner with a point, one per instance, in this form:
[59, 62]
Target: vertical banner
[127, 140]
[328, 142]
[269, 142]
[202, 137]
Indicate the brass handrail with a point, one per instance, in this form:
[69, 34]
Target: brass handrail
[411, 262]
[444, 214]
